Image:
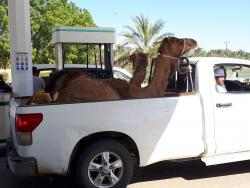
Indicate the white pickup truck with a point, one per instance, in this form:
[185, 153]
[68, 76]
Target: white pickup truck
[100, 143]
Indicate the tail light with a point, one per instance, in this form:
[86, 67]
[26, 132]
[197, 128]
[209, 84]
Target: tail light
[28, 122]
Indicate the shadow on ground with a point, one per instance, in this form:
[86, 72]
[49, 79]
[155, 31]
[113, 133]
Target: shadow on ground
[188, 170]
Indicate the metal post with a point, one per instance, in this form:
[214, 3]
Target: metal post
[20, 47]
[59, 56]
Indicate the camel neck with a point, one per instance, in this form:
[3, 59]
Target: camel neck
[161, 74]
[139, 74]
[159, 82]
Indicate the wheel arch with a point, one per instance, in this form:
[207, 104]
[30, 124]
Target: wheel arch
[124, 139]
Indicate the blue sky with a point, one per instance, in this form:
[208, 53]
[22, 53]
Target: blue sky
[210, 22]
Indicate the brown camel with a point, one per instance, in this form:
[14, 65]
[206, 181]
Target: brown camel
[139, 60]
[80, 88]
[79, 82]
[170, 50]
[140, 63]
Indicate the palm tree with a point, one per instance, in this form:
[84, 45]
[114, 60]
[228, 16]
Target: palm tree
[145, 36]
[121, 54]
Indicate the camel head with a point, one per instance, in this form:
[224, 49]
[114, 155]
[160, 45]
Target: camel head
[175, 47]
[139, 58]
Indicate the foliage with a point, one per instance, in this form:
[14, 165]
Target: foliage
[220, 53]
[48, 14]
[4, 35]
[5, 76]
[121, 54]
[144, 36]
[45, 15]
[198, 52]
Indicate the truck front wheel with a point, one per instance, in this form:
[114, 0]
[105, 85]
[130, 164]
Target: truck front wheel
[106, 164]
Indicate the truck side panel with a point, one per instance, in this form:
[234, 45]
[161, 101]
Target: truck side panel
[163, 128]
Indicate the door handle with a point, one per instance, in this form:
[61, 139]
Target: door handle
[223, 105]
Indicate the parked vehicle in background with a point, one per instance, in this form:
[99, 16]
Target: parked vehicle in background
[121, 73]
[45, 70]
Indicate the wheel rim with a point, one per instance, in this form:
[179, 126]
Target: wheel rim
[105, 169]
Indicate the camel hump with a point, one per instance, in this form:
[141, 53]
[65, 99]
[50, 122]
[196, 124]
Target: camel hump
[121, 86]
[61, 78]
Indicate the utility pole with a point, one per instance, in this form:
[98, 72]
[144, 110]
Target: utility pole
[226, 43]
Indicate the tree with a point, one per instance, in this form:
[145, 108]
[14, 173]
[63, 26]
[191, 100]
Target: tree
[145, 36]
[4, 35]
[48, 14]
[121, 54]
[197, 53]
[45, 15]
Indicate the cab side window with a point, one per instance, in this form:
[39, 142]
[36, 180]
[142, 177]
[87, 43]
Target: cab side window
[237, 78]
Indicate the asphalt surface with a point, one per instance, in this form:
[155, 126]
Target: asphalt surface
[161, 175]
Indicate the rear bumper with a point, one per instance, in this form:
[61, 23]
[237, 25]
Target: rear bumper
[20, 166]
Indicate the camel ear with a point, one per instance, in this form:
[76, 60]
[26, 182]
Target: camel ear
[55, 96]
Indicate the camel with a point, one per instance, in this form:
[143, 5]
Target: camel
[139, 60]
[80, 88]
[102, 89]
[169, 53]
[140, 63]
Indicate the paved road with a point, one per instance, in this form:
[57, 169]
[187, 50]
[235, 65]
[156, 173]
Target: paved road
[160, 175]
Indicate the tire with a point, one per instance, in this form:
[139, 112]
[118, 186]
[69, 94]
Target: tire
[104, 164]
